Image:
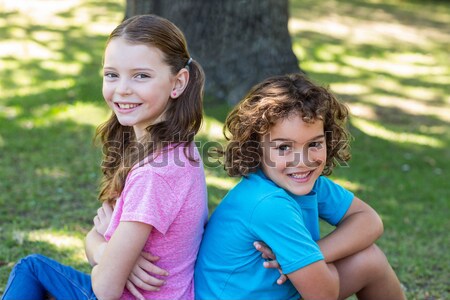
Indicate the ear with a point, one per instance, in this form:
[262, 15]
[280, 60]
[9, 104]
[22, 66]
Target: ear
[180, 83]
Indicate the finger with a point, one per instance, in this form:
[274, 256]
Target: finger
[273, 264]
[100, 212]
[146, 278]
[264, 249]
[260, 243]
[149, 256]
[107, 208]
[282, 279]
[259, 246]
[151, 268]
[134, 291]
[138, 282]
[96, 221]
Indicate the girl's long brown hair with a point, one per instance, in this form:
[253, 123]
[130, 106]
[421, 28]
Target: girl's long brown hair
[183, 116]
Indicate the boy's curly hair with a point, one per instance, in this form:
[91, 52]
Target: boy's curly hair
[277, 98]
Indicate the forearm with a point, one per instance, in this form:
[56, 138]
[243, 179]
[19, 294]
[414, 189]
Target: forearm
[122, 251]
[317, 281]
[95, 245]
[355, 233]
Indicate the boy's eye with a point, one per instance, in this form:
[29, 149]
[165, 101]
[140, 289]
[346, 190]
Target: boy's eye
[318, 144]
[284, 147]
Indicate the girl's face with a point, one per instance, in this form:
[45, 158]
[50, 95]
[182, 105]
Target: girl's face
[137, 83]
[294, 154]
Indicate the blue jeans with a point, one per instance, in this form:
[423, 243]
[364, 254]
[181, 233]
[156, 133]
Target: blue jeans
[35, 277]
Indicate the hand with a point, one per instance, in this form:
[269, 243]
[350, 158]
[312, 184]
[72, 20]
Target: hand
[103, 218]
[140, 275]
[271, 262]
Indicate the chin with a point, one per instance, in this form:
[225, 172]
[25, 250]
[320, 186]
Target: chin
[301, 191]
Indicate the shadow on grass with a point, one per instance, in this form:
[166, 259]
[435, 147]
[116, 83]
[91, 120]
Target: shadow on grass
[49, 169]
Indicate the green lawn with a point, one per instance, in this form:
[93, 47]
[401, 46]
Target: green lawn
[387, 59]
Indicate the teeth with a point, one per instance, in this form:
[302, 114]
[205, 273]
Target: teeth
[127, 105]
[299, 175]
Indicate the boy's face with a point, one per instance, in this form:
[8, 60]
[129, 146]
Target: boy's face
[294, 154]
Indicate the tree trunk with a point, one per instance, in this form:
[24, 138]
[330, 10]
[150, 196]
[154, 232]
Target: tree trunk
[238, 43]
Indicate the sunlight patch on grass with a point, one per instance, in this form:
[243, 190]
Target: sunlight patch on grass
[220, 182]
[376, 130]
[79, 113]
[331, 67]
[72, 68]
[409, 105]
[57, 239]
[10, 112]
[363, 111]
[83, 113]
[395, 68]
[379, 33]
[40, 11]
[351, 186]
[413, 58]
[68, 242]
[27, 49]
[55, 173]
[212, 129]
[350, 88]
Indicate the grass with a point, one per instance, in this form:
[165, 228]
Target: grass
[388, 60]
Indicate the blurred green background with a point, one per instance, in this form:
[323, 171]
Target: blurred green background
[388, 60]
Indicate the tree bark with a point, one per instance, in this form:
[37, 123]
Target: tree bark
[238, 42]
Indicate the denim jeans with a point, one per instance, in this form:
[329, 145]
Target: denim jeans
[35, 277]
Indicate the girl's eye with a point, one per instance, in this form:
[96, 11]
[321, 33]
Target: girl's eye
[142, 76]
[110, 75]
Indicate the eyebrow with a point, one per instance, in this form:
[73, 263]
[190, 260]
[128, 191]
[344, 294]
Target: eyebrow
[290, 140]
[134, 70]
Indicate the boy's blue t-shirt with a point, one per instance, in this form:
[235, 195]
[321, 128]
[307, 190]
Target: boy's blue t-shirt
[256, 209]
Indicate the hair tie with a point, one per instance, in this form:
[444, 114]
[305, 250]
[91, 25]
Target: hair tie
[188, 63]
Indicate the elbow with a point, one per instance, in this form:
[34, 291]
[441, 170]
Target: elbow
[106, 292]
[328, 293]
[102, 287]
[379, 227]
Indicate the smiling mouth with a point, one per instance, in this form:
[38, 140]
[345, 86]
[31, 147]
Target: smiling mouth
[127, 105]
[301, 175]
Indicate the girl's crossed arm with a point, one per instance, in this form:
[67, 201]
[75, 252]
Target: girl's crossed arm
[121, 253]
[140, 277]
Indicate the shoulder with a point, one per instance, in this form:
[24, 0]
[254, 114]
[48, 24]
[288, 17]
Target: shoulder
[173, 163]
[325, 187]
[255, 188]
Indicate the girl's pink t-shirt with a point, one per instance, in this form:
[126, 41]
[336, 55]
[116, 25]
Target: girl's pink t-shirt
[168, 193]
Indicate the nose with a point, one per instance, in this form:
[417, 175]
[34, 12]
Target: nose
[303, 158]
[123, 87]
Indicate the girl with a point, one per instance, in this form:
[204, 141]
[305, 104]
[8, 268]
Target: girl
[152, 175]
[285, 135]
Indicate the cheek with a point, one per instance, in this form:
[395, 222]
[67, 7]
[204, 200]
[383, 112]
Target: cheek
[320, 156]
[106, 91]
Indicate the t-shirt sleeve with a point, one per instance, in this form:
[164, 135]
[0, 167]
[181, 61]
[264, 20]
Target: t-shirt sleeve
[278, 222]
[333, 200]
[149, 199]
